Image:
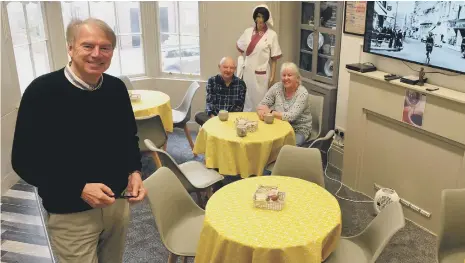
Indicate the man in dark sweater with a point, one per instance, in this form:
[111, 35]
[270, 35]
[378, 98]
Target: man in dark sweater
[76, 141]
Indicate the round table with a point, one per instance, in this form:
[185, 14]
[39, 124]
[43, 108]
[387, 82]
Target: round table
[153, 103]
[244, 156]
[306, 230]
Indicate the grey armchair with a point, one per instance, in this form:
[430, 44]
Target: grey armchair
[182, 113]
[451, 238]
[368, 245]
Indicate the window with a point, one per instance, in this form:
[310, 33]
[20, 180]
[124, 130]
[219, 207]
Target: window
[179, 37]
[29, 41]
[124, 19]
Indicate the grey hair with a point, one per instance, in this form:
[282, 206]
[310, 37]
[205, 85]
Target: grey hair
[224, 60]
[73, 29]
[293, 67]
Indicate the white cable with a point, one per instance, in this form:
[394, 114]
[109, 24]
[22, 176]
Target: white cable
[342, 184]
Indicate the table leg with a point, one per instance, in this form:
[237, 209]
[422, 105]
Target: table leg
[184, 259]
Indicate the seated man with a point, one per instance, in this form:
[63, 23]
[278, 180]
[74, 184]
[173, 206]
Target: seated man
[224, 92]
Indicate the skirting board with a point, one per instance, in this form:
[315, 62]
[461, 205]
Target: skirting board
[335, 159]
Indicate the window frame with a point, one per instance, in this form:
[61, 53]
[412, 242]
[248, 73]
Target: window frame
[46, 39]
[119, 35]
[174, 75]
[52, 15]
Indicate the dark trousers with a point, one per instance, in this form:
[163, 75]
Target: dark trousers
[201, 118]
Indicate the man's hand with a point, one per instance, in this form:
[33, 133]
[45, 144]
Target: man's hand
[97, 195]
[136, 188]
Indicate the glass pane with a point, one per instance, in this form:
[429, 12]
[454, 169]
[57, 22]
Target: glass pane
[306, 40]
[308, 13]
[190, 56]
[132, 57]
[328, 44]
[23, 66]
[74, 10]
[328, 10]
[306, 61]
[115, 68]
[168, 17]
[35, 21]
[104, 11]
[17, 23]
[189, 18]
[39, 51]
[128, 17]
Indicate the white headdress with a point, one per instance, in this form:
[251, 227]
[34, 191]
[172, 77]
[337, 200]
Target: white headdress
[270, 19]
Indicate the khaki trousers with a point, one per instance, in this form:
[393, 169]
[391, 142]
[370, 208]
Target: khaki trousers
[93, 236]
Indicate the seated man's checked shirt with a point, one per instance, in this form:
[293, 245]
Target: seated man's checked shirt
[221, 97]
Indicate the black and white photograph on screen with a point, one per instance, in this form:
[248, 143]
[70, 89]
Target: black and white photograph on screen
[425, 32]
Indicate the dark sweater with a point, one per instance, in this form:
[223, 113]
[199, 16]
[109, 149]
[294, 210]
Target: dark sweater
[66, 137]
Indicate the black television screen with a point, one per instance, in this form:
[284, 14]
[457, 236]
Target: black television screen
[430, 33]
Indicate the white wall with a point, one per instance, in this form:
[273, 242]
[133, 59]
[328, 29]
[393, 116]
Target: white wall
[10, 96]
[351, 52]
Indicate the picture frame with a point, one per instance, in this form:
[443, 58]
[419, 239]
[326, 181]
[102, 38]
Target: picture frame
[354, 17]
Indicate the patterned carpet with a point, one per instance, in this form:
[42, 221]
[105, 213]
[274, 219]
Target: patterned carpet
[143, 244]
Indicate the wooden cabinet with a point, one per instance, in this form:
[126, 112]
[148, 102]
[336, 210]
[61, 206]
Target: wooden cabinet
[320, 26]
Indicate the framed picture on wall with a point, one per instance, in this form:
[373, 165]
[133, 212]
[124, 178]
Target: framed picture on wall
[354, 17]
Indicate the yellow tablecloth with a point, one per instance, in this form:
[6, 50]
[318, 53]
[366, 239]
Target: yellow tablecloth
[246, 156]
[305, 231]
[154, 103]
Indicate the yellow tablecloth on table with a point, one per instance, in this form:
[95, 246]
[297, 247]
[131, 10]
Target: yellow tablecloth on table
[248, 155]
[154, 103]
[305, 231]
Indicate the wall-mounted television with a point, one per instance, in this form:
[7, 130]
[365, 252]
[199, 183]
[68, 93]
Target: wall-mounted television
[431, 33]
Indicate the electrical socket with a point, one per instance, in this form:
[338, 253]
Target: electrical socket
[339, 135]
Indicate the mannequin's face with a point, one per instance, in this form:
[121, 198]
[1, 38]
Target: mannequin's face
[260, 20]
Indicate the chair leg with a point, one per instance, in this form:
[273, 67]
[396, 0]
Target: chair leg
[156, 159]
[189, 138]
[199, 199]
[172, 258]
[209, 191]
[184, 259]
[165, 146]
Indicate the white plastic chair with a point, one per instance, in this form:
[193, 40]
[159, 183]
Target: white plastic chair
[182, 113]
[179, 220]
[298, 162]
[451, 237]
[127, 82]
[368, 245]
[194, 176]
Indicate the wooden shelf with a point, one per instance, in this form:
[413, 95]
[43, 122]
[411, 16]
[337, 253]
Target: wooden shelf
[444, 93]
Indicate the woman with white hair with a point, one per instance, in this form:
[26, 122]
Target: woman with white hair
[260, 47]
[288, 100]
